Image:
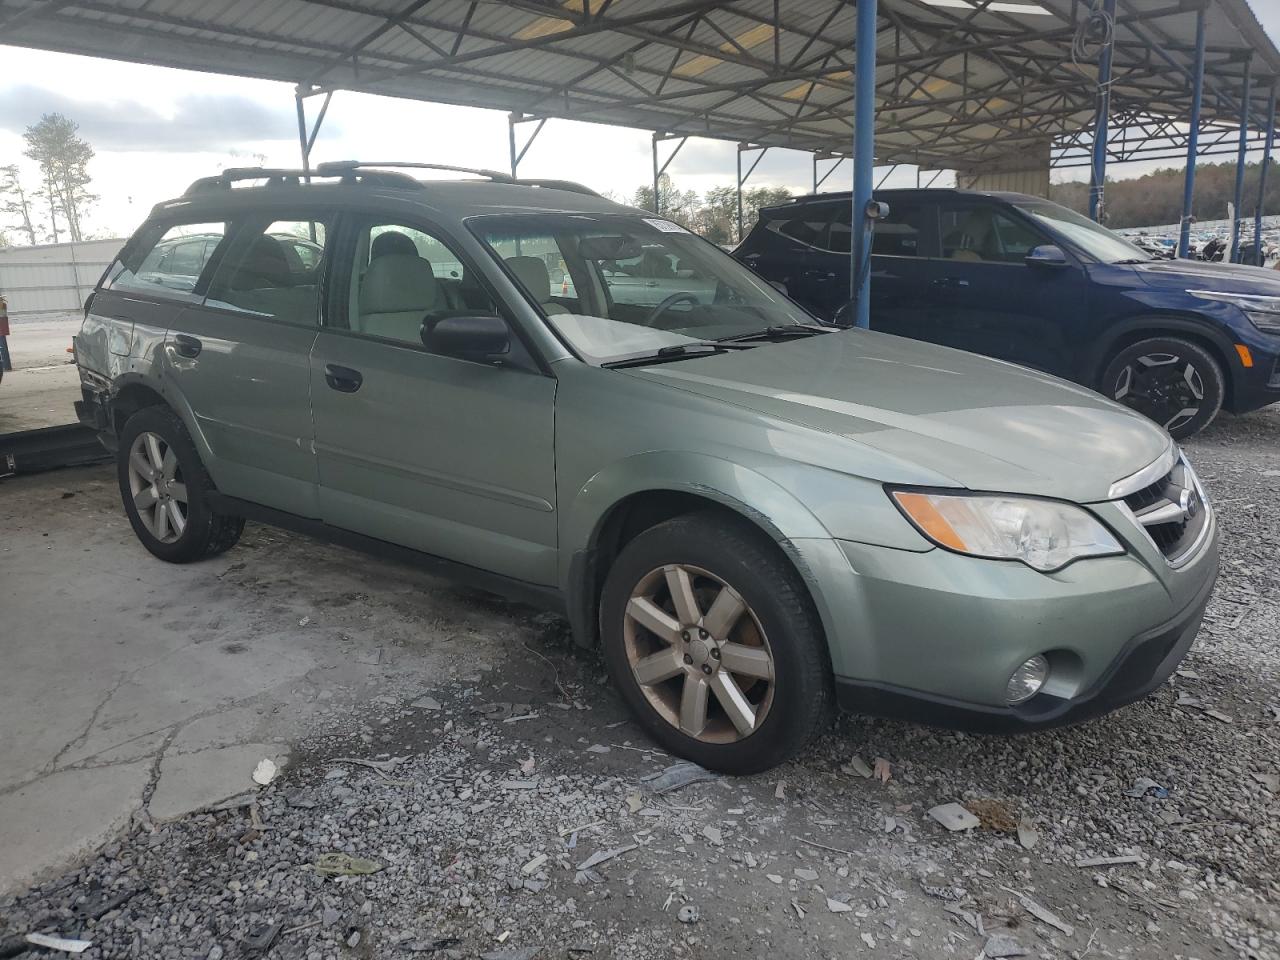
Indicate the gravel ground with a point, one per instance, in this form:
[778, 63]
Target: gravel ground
[510, 815]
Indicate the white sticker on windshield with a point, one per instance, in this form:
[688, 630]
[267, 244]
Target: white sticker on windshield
[666, 226]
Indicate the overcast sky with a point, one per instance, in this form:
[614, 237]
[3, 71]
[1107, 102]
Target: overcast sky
[156, 129]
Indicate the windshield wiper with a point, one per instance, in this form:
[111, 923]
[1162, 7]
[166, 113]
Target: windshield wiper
[786, 331]
[1132, 260]
[678, 351]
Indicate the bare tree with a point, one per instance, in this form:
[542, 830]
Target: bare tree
[64, 160]
[14, 201]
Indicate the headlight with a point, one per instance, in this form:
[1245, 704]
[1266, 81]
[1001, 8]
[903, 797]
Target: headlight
[1263, 312]
[1044, 534]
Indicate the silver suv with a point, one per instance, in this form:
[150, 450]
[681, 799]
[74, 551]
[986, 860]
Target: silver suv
[755, 515]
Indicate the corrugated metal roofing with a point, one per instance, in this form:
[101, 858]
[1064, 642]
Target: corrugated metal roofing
[960, 83]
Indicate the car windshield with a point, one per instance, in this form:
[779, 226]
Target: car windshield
[1097, 241]
[621, 286]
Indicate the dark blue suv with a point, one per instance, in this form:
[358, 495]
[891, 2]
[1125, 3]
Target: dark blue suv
[1022, 279]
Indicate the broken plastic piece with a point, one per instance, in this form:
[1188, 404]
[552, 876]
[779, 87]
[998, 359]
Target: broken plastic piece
[678, 775]
[58, 943]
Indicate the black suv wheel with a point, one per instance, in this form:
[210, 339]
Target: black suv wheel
[1175, 382]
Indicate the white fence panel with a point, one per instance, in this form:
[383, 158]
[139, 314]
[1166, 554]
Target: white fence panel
[53, 278]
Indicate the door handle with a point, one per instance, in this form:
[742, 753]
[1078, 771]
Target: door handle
[186, 346]
[342, 379]
[949, 282]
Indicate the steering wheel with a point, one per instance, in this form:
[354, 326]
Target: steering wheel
[671, 301]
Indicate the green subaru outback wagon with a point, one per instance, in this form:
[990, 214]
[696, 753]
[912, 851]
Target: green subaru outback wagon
[755, 516]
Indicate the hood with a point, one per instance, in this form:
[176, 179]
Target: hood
[1197, 274]
[982, 424]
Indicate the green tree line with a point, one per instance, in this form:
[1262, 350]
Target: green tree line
[714, 214]
[1156, 198]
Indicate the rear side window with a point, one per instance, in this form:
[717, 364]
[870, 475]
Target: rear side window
[808, 223]
[273, 271]
[908, 230]
[166, 259]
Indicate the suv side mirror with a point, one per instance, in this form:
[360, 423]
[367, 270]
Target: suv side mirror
[481, 337]
[1046, 255]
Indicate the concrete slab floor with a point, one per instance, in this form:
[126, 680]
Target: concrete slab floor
[130, 683]
[43, 386]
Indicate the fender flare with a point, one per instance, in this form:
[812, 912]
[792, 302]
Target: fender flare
[1160, 324]
[756, 498]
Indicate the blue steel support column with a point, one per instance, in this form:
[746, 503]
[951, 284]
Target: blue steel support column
[1098, 176]
[1240, 160]
[1262, 176]
[864, 137]
[1193, 140]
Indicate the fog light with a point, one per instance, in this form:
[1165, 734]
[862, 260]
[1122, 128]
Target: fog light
[1027, 680]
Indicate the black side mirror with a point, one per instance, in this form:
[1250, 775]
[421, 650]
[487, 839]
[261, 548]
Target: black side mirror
[481, 337]
[844, 317]
[1046, 255]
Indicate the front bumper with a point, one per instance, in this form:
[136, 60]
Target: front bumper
[1143, 664]
[934, 636]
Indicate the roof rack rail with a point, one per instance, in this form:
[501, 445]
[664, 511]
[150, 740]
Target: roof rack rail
[284, 176]
[338, 168]
[570, 186]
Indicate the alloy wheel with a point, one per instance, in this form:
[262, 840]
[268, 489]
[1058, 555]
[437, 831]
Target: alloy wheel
[156, 485]
[699, 654]
[1162, 386]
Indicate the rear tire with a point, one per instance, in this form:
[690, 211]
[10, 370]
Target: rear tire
[1172, 381]
[165, 489]
[752, 685]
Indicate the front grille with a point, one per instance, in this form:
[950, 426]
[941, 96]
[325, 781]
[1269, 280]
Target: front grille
[1171, 511]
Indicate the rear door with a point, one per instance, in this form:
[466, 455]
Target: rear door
[799, 254]
[451, 457]
[901, 246]
[240, 360]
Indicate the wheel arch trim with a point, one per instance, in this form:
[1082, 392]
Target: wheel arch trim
[747, 493]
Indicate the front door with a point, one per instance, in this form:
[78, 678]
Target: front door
[451, 457]
[987, 299]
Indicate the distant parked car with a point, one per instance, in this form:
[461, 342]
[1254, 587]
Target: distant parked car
[1022, 279]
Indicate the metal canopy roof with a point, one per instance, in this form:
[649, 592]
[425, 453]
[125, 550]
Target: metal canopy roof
[960, 83]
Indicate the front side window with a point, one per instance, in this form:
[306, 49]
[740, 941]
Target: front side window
[273, 271]
[980, 233]
[401, 275]
[166, 259]
[639, 283]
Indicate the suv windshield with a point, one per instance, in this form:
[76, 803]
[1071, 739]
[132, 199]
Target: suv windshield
[623, 286]
[1098, 242]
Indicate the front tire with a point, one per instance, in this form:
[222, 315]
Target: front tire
[165, 490]
[1172, 381]
[710, 636]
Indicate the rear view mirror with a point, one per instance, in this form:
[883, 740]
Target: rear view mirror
[1046, 255]
[480, 337]
[609, 248]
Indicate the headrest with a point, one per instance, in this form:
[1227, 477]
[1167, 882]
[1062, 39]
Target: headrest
[391, 242]
[532, 274]
[396, 283]
[263, 265]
